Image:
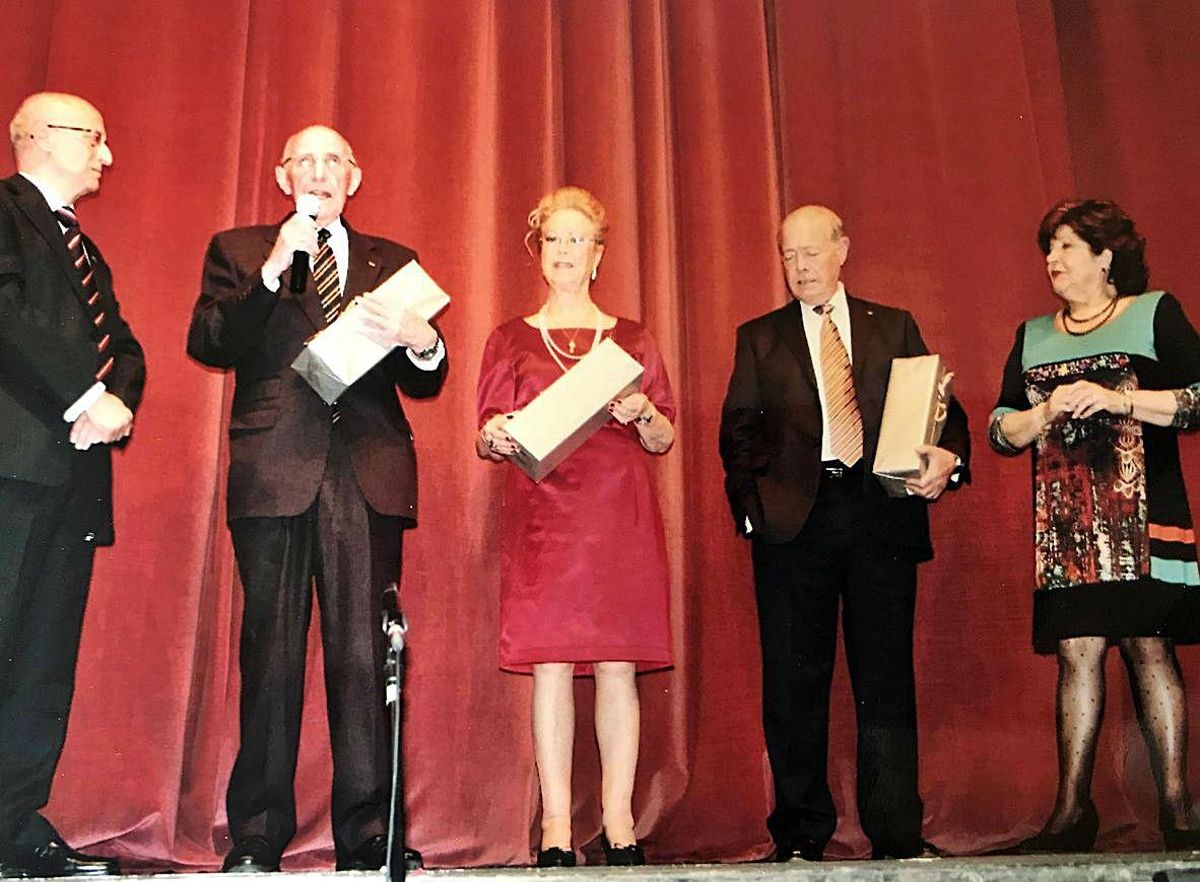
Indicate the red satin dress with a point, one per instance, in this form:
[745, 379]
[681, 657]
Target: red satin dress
[583, 566]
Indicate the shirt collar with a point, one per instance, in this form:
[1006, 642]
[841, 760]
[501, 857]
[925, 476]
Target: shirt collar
[837, 301]
[337, 232]
[48, 193]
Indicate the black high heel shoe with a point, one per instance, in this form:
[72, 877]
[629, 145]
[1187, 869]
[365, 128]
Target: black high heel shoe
[555, 857]
[1078, 837]
[622, 856]
[1175, 839]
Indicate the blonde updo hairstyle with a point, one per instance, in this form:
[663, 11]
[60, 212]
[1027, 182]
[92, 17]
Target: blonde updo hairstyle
[566, 197]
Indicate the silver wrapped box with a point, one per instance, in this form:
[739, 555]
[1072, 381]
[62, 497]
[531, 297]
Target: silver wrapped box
[568, 411]
[334, 358]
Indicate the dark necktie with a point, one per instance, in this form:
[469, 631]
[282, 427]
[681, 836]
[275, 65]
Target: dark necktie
[325, 274]
[841, 402]
[87, 278]
[329, 289]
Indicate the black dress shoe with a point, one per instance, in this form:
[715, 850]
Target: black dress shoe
[251, 854]
[1077, 838]
[1180, 840]
[920, 849]
[372, 854]
[55, 858]
[555, 857]
[622, 855]
[805, 848]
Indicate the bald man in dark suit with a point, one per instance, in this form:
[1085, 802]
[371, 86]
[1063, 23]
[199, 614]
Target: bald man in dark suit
[71, 376]
[799, 428]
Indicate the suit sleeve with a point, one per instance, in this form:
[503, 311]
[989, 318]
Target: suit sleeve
[413, 381]
[955, 436]
[127, 379]
[1177, 346]
[31, 348]
[232, 308]
[741, 436]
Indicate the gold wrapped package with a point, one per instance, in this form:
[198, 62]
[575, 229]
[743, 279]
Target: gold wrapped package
[914, 413]
[568, 411]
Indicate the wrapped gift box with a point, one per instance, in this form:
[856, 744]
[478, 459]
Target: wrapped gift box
[914, 413]
[552, 426]
[340, 354]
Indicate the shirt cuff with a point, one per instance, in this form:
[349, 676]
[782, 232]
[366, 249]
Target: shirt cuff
[431, 363]
[84, 401]
[270, 284]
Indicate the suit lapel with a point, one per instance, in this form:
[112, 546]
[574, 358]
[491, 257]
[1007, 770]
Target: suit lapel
[33, 204]
[308, 299]
[365, 265]
[789, 325]
[862, 339]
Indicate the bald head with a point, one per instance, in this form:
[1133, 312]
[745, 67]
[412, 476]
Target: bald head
[325, 134]
[318, 160]
[813, 246]
[60, 140]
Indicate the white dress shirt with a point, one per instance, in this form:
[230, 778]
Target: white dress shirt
[812, 332]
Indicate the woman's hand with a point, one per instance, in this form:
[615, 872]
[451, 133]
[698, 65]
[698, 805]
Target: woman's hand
[493, 442]
[632, 407]
[1084, 399]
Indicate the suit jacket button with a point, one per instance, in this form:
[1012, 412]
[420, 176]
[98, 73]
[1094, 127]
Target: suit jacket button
[89, 537]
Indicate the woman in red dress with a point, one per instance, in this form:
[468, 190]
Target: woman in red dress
[584, 582]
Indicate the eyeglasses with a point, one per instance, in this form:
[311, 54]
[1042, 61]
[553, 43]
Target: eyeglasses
[573, 239]
[96, 137]
[332, 161]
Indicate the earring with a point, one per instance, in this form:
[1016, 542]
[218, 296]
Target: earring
[594, 273]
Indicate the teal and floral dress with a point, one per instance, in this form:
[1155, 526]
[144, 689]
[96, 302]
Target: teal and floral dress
[1114, 547]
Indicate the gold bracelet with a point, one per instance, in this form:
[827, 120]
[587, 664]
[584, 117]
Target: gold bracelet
[1128, 394]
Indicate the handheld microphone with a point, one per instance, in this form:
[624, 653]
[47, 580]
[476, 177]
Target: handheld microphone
[395, 625]
[306, 203]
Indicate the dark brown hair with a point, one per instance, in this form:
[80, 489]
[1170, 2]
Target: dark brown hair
[1102, 224]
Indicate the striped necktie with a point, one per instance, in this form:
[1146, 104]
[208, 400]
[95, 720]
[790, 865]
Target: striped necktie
[87, 278]
[325, 274]
[329, 290]
[841, 403]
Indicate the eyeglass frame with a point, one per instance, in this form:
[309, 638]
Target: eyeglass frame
[98, 137]
[574, 240]
[312, 161]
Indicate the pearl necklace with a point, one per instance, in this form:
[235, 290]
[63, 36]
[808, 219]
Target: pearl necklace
[553, 348]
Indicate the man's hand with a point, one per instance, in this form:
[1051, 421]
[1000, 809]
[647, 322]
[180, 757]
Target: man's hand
[938, 465]
[106, 421]
[390, 324]
[298, 233]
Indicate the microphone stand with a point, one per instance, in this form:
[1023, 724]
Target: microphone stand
[395, 626]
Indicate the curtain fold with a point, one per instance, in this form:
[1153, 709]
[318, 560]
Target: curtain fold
[940, 131]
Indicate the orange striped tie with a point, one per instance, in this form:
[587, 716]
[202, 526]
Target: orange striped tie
[87, 278]
[841, 404]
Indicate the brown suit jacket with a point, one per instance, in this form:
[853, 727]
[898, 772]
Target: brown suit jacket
[280, 428]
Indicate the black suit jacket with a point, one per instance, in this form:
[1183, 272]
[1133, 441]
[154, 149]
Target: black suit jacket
[771, 425]
[280, 428]
[48, 355]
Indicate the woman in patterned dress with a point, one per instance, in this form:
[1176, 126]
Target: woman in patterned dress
[583, 572]
[1100, 390]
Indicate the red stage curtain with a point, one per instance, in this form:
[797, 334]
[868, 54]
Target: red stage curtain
[940, 130]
